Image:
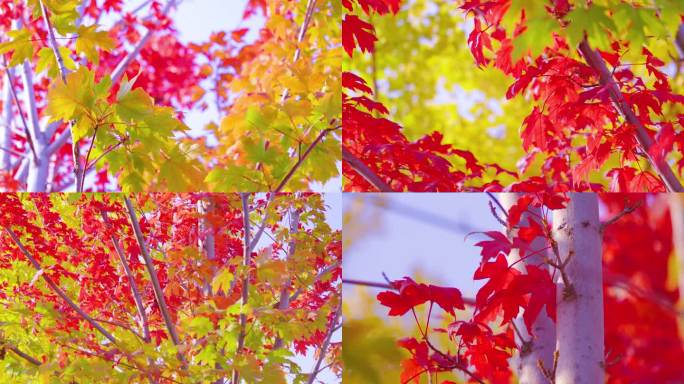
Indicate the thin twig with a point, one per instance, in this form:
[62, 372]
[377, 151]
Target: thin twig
[626, 211]
[318, 277]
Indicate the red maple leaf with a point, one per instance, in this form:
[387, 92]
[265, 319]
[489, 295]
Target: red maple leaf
[356, 30]
[354, 82]
[492, 248]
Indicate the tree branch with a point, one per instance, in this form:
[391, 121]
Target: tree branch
[292, 247]
[663, 169]
[57, 289]
[324, 348]
[245, 280]
[300, 37]
[120, 68]
[78, 170]
[24, 355]
[27, 130]
[319, 276]
[363, 170]
[158, 293]
[6, 138]
[131, 280]
[303, 157]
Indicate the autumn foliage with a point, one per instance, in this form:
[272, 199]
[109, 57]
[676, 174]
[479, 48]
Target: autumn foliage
[642, 339]
[89, 108]
[599, 107]
[80, 303]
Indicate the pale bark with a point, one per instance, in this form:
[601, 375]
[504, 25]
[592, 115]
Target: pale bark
[245, 280]
[284, 302]
[205, 236]
[6, 136]
[539, 346]
[580, 333]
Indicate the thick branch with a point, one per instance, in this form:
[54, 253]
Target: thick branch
[27, 129]
[23, 355]
[285, 290]
[158, 293]
[55, 288]
[131, 280]
[363, 170]
[663, 169]
[324, 348]
[78, 170]
[245, 279]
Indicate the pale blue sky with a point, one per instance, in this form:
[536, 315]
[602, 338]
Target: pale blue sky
[421, 232]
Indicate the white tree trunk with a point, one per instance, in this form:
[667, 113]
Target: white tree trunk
[540, 345]
[38, 170]
[580, 334]
[6, 136]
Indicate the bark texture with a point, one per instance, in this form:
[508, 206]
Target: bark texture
[580, 333]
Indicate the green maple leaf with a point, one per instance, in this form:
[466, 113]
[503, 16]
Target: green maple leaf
[537, 36]
[592, 21]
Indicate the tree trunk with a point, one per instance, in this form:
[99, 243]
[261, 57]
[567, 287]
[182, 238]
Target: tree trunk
[580, 296]
[540, 345]
[6, 137]
[205, 237]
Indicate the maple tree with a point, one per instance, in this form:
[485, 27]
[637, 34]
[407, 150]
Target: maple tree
[84, 108]
[503, 94]
[571, 294]
[168, 288]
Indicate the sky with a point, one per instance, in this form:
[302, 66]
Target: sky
[419, 232]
